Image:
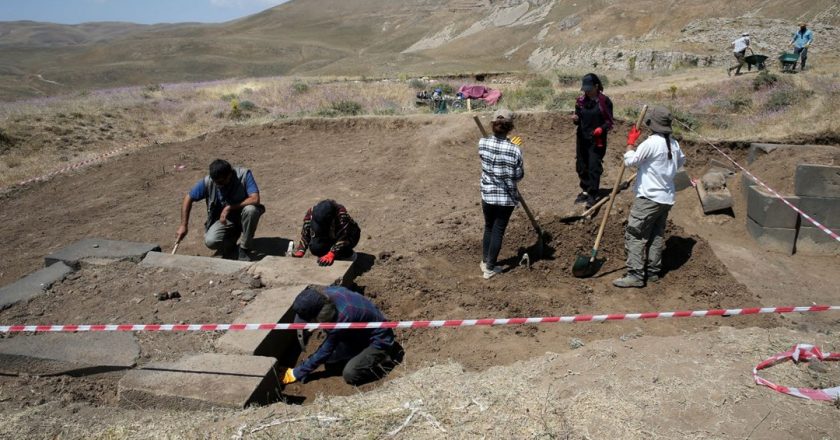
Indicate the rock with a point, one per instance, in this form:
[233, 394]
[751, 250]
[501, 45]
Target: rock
[248, 295]
[714, 181]
[174, 294]
[162, 296]
[575, 343]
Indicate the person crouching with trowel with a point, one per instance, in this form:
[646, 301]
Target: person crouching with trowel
[359, 355]
[658, 158]
[329, 232]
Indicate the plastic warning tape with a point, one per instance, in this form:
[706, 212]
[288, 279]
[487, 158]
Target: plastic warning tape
[408, 324]
[799, 353]
[72, 167]
[755, 179]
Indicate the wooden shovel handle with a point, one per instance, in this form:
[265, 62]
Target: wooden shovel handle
[614, 192]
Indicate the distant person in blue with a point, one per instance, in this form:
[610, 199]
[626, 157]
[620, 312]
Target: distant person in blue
[801, 41]
[360, 355]
[233, 209]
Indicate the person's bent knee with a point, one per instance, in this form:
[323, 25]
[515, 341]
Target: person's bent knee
[250, 210]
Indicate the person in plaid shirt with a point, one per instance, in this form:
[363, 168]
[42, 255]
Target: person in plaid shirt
[361, 356]
[501, 169]
[329, 232]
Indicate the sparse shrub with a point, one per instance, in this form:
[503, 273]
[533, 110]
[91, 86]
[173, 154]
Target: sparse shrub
[631, 65]
[235, 110]
[446, 88]
[247, 106]
[620, 82]
[326, 113]
[6, 141]
[347, 107]
[154, 88]
[686, 118]
[783, 97]
[219, 114]
[538, 82]
[738, 103]
[673, 91]
[389, 111]
[567, 79]
[403, 77]
[300, 87]
[416, 83]
[529, 97]
[562, 101]
[229, 97]
[13, 162]
[764, 79]
[630, 113]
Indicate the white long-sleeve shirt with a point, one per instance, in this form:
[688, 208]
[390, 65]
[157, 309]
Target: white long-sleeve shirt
[655, 179]
[741, 44]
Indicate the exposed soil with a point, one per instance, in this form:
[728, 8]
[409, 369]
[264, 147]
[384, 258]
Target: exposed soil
[412, 184]
[778, 172]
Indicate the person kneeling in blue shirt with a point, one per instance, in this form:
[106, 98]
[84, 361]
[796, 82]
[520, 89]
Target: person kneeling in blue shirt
[362, 355]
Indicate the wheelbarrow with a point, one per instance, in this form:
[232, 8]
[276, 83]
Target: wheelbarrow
[788, 61]
[757, 61]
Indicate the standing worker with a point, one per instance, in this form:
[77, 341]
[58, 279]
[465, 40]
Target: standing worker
[233, 208]
[594, 119]
[802, 39]
[739, 48]
[658, 158]
[360, 355]
[501, 169]
[329, 232]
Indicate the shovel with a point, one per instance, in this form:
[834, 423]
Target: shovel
[539, 247]
[586, 266]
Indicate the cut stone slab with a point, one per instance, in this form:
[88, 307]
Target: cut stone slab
[192, 263]
[287, 271]
[714, 201]
[823, 210]
[99, 249]
[713, 180]
[201, 382]
[777, 239]
[33, 284]
[768, 210]
[716, 166]
[270, 306]
[813, 241]
[814, 180]
[45, 354]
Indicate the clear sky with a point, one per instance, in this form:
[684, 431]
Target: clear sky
[135, 11]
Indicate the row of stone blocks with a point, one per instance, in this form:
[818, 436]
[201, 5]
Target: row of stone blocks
[776, 226]
[245, 368]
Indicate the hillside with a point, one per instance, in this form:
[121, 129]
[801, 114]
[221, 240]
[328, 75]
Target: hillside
[385, 38]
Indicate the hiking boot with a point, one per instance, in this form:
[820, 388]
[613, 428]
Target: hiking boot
[653, 277]
[590, 201]
[629, 280]
[581, 198]
[246, 255]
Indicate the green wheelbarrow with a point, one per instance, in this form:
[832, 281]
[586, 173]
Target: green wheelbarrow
[757, 61]
[788, 61]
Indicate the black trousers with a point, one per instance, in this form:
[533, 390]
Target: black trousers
[361, 364]
[589, 164]
[319, 247]
[496, 219]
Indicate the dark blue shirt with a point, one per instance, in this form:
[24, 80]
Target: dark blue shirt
[199, 191]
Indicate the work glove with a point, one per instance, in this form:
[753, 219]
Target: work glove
[516, 140]
[598, 132]
[327, 260]
[298, 254]
[633, 136]
[599, 141]
[289, 377]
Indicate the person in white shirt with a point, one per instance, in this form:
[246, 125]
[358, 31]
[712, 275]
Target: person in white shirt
[657, 158]
[739, 48]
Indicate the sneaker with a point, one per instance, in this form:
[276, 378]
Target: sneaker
[483, 266]
[487, 274]
[582, 197]
[246, 255]
[629, 280]
[652, 278]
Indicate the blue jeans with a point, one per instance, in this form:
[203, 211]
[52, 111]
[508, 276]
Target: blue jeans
[803, 56]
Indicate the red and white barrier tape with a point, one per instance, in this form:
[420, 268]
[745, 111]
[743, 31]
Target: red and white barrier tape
[799, 353]
[408, 324]
[819, 225]
[72, 167]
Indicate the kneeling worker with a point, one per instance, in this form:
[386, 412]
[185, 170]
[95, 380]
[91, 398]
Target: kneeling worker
[233, 208]
[362, 356]
[329, 232]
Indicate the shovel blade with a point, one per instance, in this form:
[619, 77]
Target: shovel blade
[585, 266]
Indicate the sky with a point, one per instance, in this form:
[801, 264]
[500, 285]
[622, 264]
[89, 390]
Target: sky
[135, 11]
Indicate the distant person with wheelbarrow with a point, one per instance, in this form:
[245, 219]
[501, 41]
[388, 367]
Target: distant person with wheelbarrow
[594, 119]
[802, 39]
[501, 169]
[739, 48]
[658, 158]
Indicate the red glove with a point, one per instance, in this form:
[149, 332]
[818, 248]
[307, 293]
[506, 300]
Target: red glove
[298, 254]
[633, 136]
[598, 132]
[327, 260]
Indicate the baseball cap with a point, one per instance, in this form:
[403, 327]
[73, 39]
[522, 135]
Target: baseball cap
[588, 83]
[503, 114]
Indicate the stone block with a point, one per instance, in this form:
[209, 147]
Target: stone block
[713, 180]
[813, 241]
[99, 249]
[33, 284]
[270, 306]
[201, 382]
[817, 181]
[286, 271]
[681, 180]
[192, 263]
[716, 166]
[714, 201]
[776, 239]
[768, 210]
[823, 210]
[45, 354]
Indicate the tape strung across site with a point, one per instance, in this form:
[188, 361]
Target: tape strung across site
[819, 225]
[409, 324]
[799, 353]
[85, 162]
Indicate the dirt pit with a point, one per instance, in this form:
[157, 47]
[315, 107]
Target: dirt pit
[414, 193]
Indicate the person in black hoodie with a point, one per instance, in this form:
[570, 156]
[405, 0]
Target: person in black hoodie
[594, 119]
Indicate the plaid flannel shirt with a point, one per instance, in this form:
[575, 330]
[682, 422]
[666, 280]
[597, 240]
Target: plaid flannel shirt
[501, 168]
[340, 230]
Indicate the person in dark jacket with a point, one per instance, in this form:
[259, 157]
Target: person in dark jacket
[362, 355]
[329, 232]
[594, 119]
